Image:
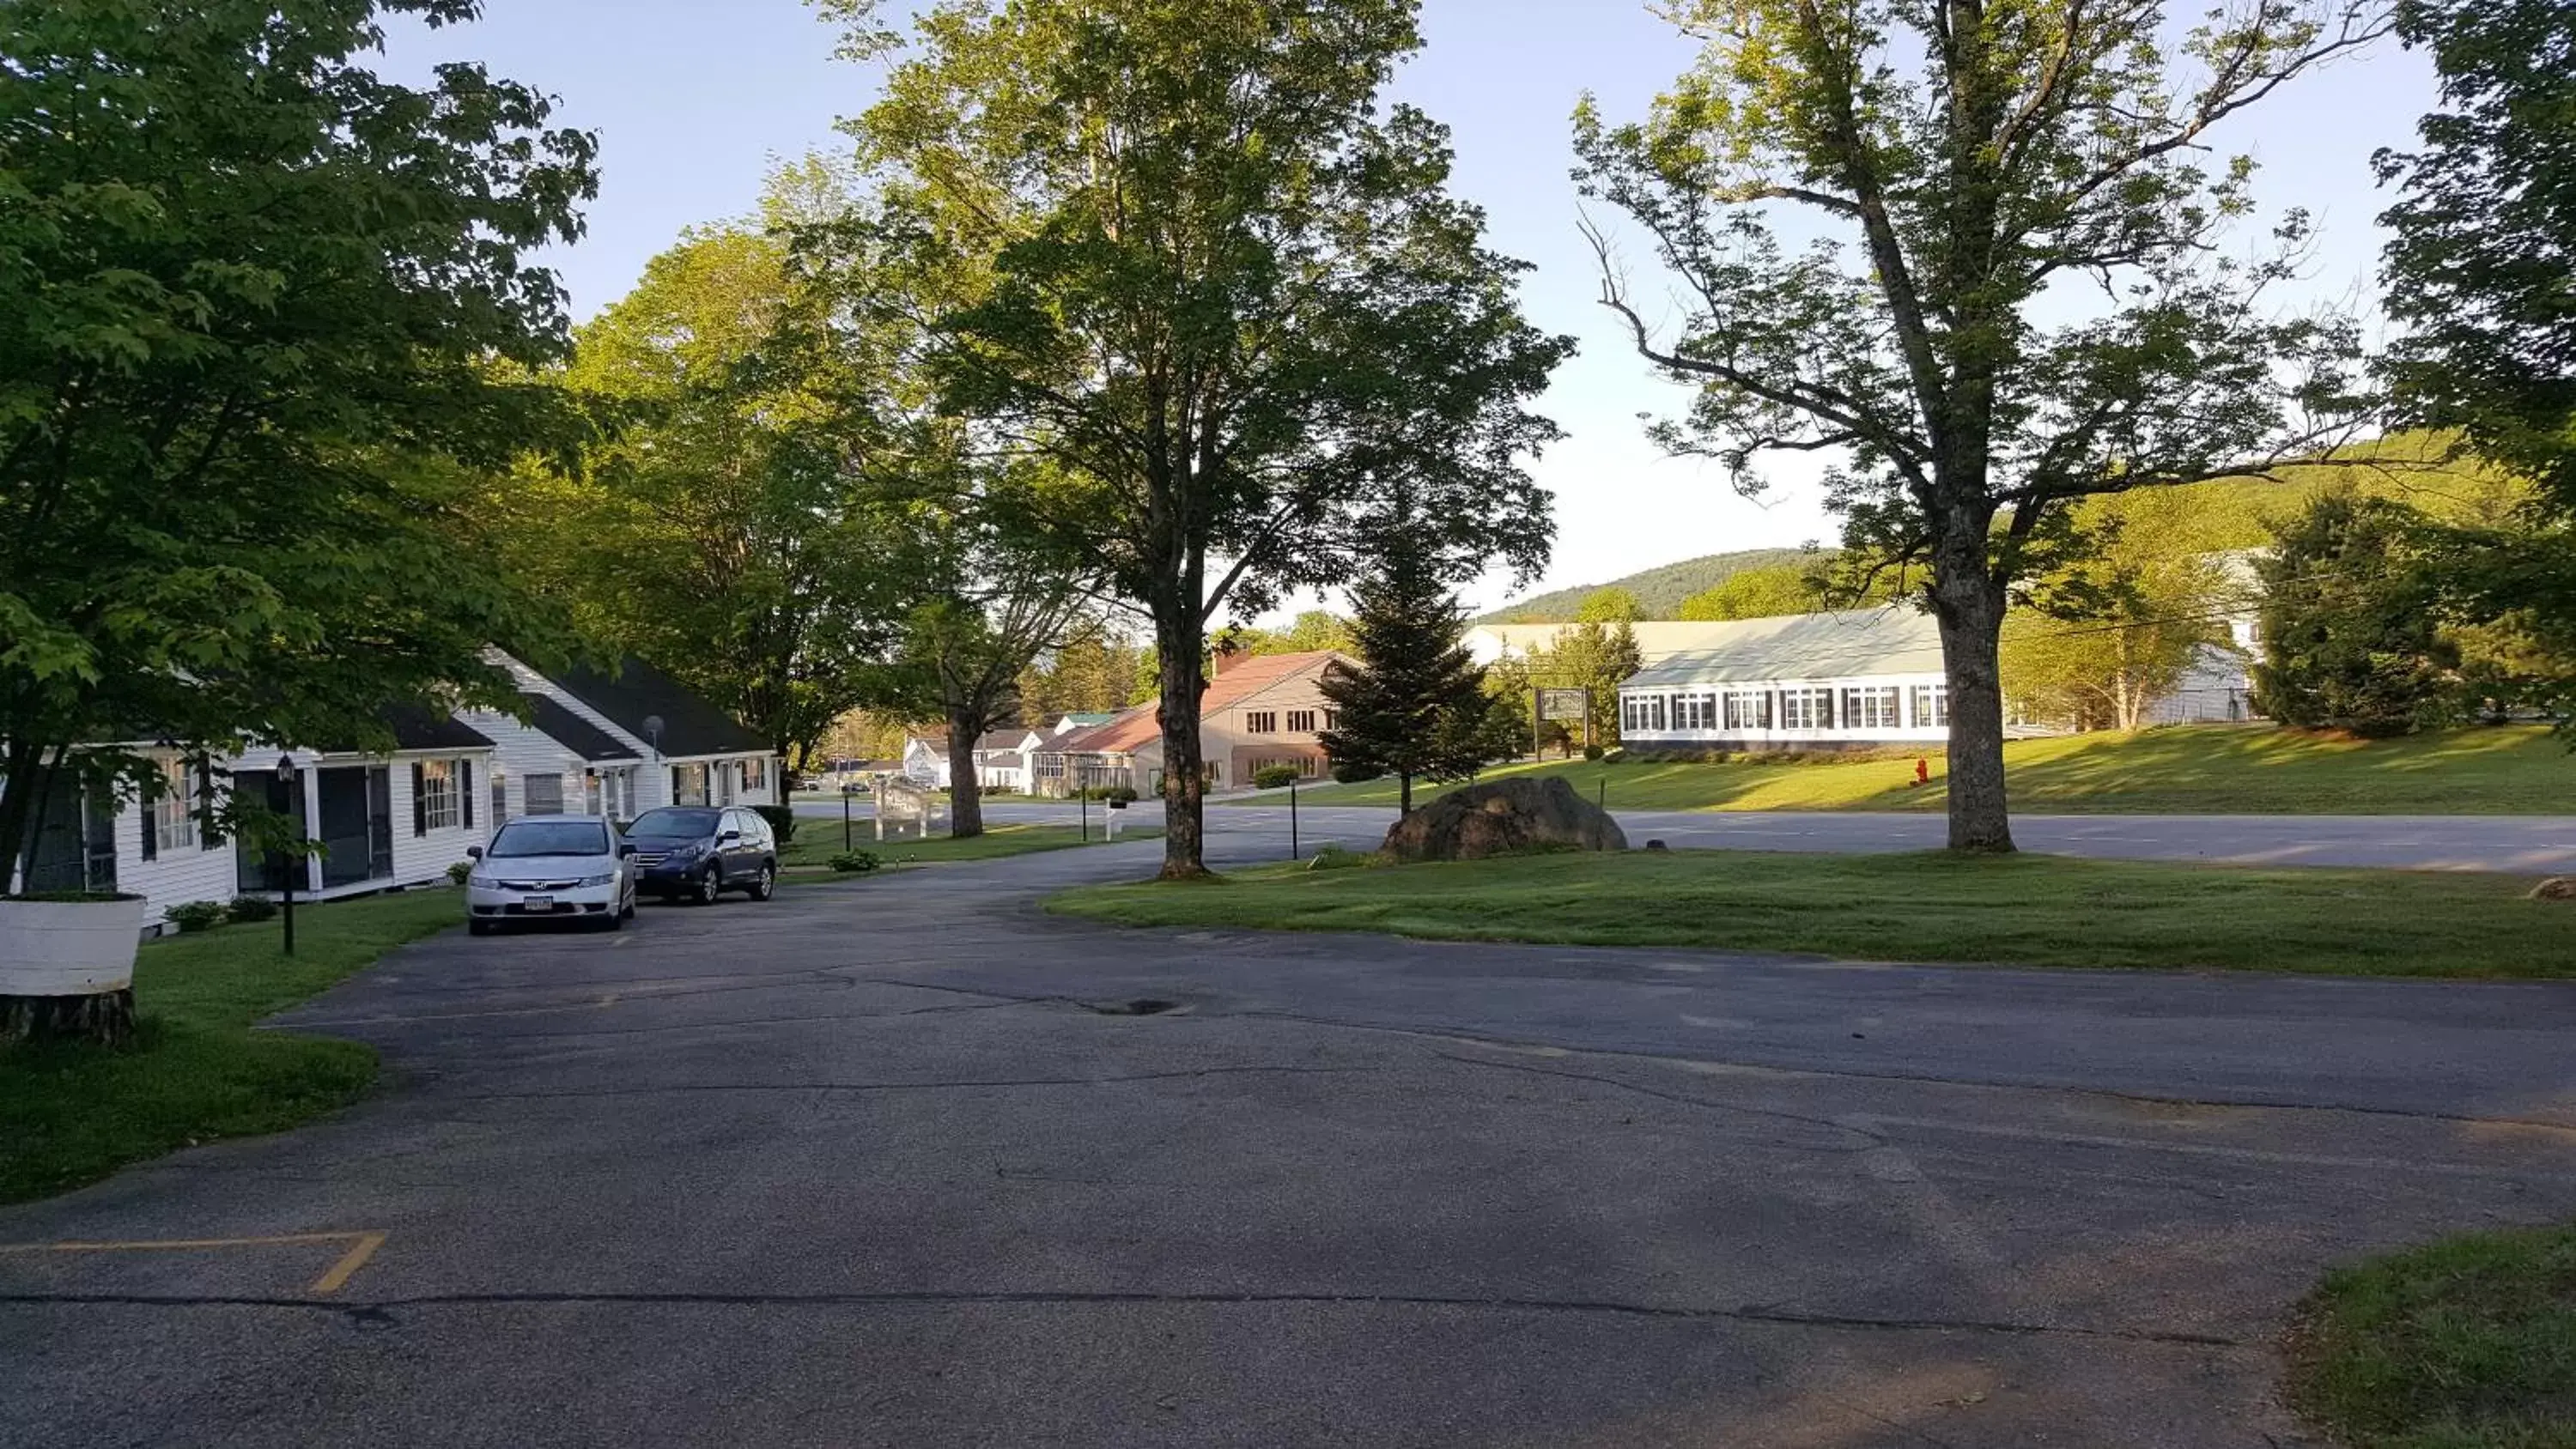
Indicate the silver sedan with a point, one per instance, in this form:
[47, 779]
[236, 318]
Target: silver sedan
[558, 869]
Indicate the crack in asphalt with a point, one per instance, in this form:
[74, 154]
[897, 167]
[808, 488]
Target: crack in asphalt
[1754, 1314]
[967, 1084]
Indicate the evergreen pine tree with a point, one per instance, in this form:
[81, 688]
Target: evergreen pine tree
[2350, 638]
[1416, 706]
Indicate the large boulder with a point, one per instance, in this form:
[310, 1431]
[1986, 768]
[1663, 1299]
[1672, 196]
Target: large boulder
[1502, 818]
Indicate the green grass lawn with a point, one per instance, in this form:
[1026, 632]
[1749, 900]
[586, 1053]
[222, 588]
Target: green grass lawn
[2468, 1343]
[2025, 910]
[818, 841]
[2185, 770]
[73, 1114]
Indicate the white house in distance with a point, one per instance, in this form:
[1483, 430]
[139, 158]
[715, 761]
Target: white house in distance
[1854, 679]
[619, 744]
[1861, 678]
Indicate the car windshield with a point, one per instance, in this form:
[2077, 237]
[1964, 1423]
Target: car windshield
[521, 838]
[667, 822]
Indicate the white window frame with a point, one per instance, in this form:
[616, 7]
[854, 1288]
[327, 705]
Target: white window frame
[755, 772]
[439, 808]
[1806, 708]
[528, 794]
[1873, 707]
[1301, 721]
[1261, 721]
[1930, 706]
[174, 819]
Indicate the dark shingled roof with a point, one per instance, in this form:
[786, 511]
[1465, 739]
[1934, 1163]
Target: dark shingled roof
[426, 729]
[558, 723]
[690, 725]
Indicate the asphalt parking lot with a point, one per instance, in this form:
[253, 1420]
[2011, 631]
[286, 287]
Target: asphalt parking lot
[904, 1162]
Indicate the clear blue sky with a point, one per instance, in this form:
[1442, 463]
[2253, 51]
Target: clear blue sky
[693, 98]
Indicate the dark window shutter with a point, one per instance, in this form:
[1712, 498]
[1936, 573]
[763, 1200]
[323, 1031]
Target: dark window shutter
[207, 836]
[419, 800]
[465, 791]
[148, 808]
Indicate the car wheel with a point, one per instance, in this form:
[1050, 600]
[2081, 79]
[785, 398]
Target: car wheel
[616, 921]
[627, 911]
[767, 885]
[478, 928]
[709, 887]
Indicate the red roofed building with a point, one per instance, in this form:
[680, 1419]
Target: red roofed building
[1259, 710]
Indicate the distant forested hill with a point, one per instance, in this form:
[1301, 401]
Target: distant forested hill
[1659, 591]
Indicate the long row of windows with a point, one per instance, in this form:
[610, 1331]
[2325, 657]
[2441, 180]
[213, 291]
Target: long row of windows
[1300, 721]
[1874, 707]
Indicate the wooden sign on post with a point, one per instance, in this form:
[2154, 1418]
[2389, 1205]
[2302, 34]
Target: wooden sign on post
[904, 803]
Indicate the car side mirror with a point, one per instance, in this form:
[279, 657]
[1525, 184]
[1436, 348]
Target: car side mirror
[729, 837]
[473, 852]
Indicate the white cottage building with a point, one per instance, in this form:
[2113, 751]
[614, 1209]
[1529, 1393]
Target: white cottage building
[591, 744]
[1857, 679]
[383, 822]
[618, 744]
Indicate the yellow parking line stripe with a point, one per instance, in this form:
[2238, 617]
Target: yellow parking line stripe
[363, 1246]
[350, 1262]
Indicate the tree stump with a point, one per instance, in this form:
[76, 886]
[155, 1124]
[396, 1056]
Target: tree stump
[106, 1019]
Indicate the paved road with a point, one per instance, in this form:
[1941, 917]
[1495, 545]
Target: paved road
[889, 1163]
[2523, 844]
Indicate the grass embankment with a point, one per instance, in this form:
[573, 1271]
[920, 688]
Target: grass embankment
[2468, 1343]
[2020, 910]
[196, 1071]
[2184, 770]
[818, 841]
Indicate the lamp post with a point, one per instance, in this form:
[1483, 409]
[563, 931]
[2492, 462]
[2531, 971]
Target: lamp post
[295, 859]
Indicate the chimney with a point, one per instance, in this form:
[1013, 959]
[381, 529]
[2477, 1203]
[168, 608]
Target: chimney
[1227, 656]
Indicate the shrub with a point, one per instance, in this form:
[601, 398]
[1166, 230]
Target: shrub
[1616, 755]
[1355, 773]
[1593, 752]
[457, 873]
[195, 915]
[782, 820]
[854, 862]
[250, 910]
[1271, 777]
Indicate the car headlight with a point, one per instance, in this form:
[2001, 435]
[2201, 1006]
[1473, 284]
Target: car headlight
[609, 878]
[478, 878]
[689, 849]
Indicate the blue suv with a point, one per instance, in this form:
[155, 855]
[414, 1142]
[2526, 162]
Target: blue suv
[698, 852]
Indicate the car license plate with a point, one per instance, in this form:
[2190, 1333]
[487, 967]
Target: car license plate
[538, 903]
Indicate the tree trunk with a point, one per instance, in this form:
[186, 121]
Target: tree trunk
[1969, 606]
[1180, 640]
[1404, 793]
[106, 1019]
[965, 789]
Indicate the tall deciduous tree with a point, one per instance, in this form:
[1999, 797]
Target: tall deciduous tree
[1220, 281]
[2116, 625]
[251, 301]
[2485, 235]
[726, 522]
[1415, 705]
[2484, 244]
[1972, 172]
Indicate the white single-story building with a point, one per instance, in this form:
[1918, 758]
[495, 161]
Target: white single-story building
[619, 744]
[383, 821]
[1006, 759]
[925, 761]
[610, 745]
[1860, 678]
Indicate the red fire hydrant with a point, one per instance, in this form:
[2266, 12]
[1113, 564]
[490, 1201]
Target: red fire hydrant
[1922, 771]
